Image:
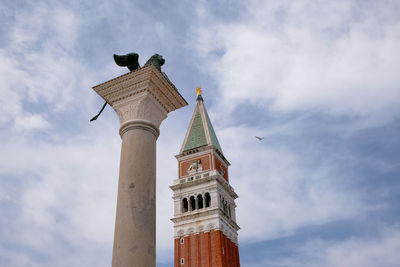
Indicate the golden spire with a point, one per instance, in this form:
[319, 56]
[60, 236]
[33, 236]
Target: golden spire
[198, 91]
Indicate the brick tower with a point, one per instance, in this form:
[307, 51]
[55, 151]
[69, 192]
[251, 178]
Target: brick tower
[205, 229]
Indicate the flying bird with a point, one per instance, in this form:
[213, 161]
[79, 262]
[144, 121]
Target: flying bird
[259, 138]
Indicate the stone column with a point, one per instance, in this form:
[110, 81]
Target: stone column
[142, 99]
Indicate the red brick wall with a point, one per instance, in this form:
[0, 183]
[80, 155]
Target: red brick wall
[205, 250]
[177, 251]
[193, 251]
[237, 259]
[186, 249]
[198, 256]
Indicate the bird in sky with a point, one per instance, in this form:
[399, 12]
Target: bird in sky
[259, 138]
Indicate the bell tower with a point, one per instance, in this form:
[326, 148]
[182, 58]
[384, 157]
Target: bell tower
[205, 229]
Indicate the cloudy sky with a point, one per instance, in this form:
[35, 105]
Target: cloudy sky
[318, 79]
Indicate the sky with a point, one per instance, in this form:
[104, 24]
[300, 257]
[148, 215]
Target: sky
[318, 79]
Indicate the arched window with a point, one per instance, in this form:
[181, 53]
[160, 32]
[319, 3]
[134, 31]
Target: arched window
[192, 203]
[208, 199]
[184, 205]
[200, 201]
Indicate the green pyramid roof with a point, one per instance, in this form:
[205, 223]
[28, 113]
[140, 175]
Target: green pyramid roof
[200, 132]
[197, 136]
[214, 139]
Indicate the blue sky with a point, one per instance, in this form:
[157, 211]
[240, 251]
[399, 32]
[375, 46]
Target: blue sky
[318, 79]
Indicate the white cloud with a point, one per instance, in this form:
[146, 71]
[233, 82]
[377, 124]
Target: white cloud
[380, 250]
[37, 66]
[362, 252]
[31, 121]
[62, 200]
[56, 24]
[338, 57]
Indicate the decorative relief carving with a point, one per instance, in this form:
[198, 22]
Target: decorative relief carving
[195, 166]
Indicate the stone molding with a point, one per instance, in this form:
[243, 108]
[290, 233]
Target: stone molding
[206, 225]
[204, 150]
[213, 176]
[195, 215]
[139, 124]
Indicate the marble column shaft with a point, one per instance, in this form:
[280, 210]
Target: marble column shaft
[135, 236]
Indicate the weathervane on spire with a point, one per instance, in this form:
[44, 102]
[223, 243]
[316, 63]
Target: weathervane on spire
[198, 93]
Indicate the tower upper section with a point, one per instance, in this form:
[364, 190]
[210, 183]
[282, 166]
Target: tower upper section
[205, 228]
[201, 137]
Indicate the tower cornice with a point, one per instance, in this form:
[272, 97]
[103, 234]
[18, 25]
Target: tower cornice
[197, 151]
[212, 176]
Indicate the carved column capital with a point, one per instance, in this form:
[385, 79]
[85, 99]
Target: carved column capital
[145, 96]
[142, 106]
